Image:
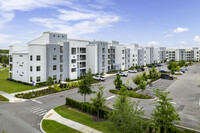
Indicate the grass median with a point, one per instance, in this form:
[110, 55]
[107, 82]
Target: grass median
[82, 118]
[51, 126]
[2, 98]
[10, 86]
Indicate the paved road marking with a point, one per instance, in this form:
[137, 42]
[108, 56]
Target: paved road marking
[36, 101]
[110, 97]
[38, 111]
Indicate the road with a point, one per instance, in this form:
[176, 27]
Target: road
[25, 117]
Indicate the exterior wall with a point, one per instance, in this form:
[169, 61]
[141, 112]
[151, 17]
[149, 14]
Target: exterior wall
[120, 57]
[35, 50]
[20, 67]
[53, 50]
[92, 61]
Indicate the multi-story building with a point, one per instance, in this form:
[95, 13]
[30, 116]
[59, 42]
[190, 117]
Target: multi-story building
[53, 54]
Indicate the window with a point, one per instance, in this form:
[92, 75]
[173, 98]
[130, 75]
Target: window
[31, 68]
[54, 48]
[38, 68]
[54, 67]
[73, 70]
[20, 55]
[62, 36]
[58, 36]
[54, 36]
[38, 57]
[38, 79]
[54, 57]
[31, 79]
[73, 60]
[73, 50]
[54, 77]
[31, 57]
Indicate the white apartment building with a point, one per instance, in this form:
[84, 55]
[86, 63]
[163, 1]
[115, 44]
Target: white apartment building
[177, 54]
[53, 54]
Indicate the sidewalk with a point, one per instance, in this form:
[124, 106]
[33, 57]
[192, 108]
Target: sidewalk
[11, 98]
[52, 115]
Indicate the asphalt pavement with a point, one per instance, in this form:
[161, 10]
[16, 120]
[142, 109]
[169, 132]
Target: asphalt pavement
[25, 116]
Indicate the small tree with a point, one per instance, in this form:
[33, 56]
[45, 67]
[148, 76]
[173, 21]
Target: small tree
[144, 76]
[50, 81]
[137, 79]
[117, 81]
[142, 85]
[85, 85]
[178, 68]
[164, 115]
[99, 100]
[126, 116]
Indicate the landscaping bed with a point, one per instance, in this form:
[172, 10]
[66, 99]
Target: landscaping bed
[2, 98]
[51, 126]
[133, 94]
[50, 90]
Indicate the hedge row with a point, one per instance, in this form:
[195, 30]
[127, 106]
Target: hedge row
[87, 107]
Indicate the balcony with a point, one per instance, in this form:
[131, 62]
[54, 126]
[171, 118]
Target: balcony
[82, 57]
[83, 50]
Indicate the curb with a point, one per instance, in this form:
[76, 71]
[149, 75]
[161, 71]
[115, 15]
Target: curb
[41, 124]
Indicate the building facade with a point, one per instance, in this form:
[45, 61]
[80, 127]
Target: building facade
[54, 55]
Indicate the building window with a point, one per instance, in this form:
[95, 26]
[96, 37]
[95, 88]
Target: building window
[31, 68]
[54, 77]
[54, 36]
[54, 48]
[54, 67]
[73, 51]
[31, 79]
[38, 57]
[73, 70]
[38, 68]
[62, 36]
[31, 57]
[54, 57]
[38, 79]
[73, 60]
[20, 55]
[58, 36]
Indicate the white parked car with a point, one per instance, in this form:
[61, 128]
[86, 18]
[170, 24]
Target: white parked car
[99, 77]
[185, 68]
[122, 74]
[132, 71]
[178, 72]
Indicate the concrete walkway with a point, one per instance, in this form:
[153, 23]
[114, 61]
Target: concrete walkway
[53, 115]
[11, 98]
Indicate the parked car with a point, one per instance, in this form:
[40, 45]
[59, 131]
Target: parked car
[185, 68]
[178, 72]
[163, 71]
[166, 76]
[132, 71]
[140, 69]
[150, 66]
[128, 87]
[122, 74]
[183, 71]
[99, 77]
[159, 65]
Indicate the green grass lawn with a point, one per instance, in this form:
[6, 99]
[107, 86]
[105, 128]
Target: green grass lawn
[2, 98]
[50, 126]
[11, 86]
[82, 118]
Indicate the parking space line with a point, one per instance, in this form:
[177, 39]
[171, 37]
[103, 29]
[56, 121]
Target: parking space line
[110, 97]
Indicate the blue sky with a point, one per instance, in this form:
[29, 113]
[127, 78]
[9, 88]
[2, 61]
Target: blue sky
[170, 23]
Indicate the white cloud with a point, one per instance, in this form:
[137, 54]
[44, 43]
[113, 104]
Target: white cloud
[182, 42]
[180, 29]
[169, 36]
[152, 43]
[77, 23]
[197, 39]
[6, 40]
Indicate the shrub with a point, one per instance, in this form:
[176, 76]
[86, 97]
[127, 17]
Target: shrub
[87, 107]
